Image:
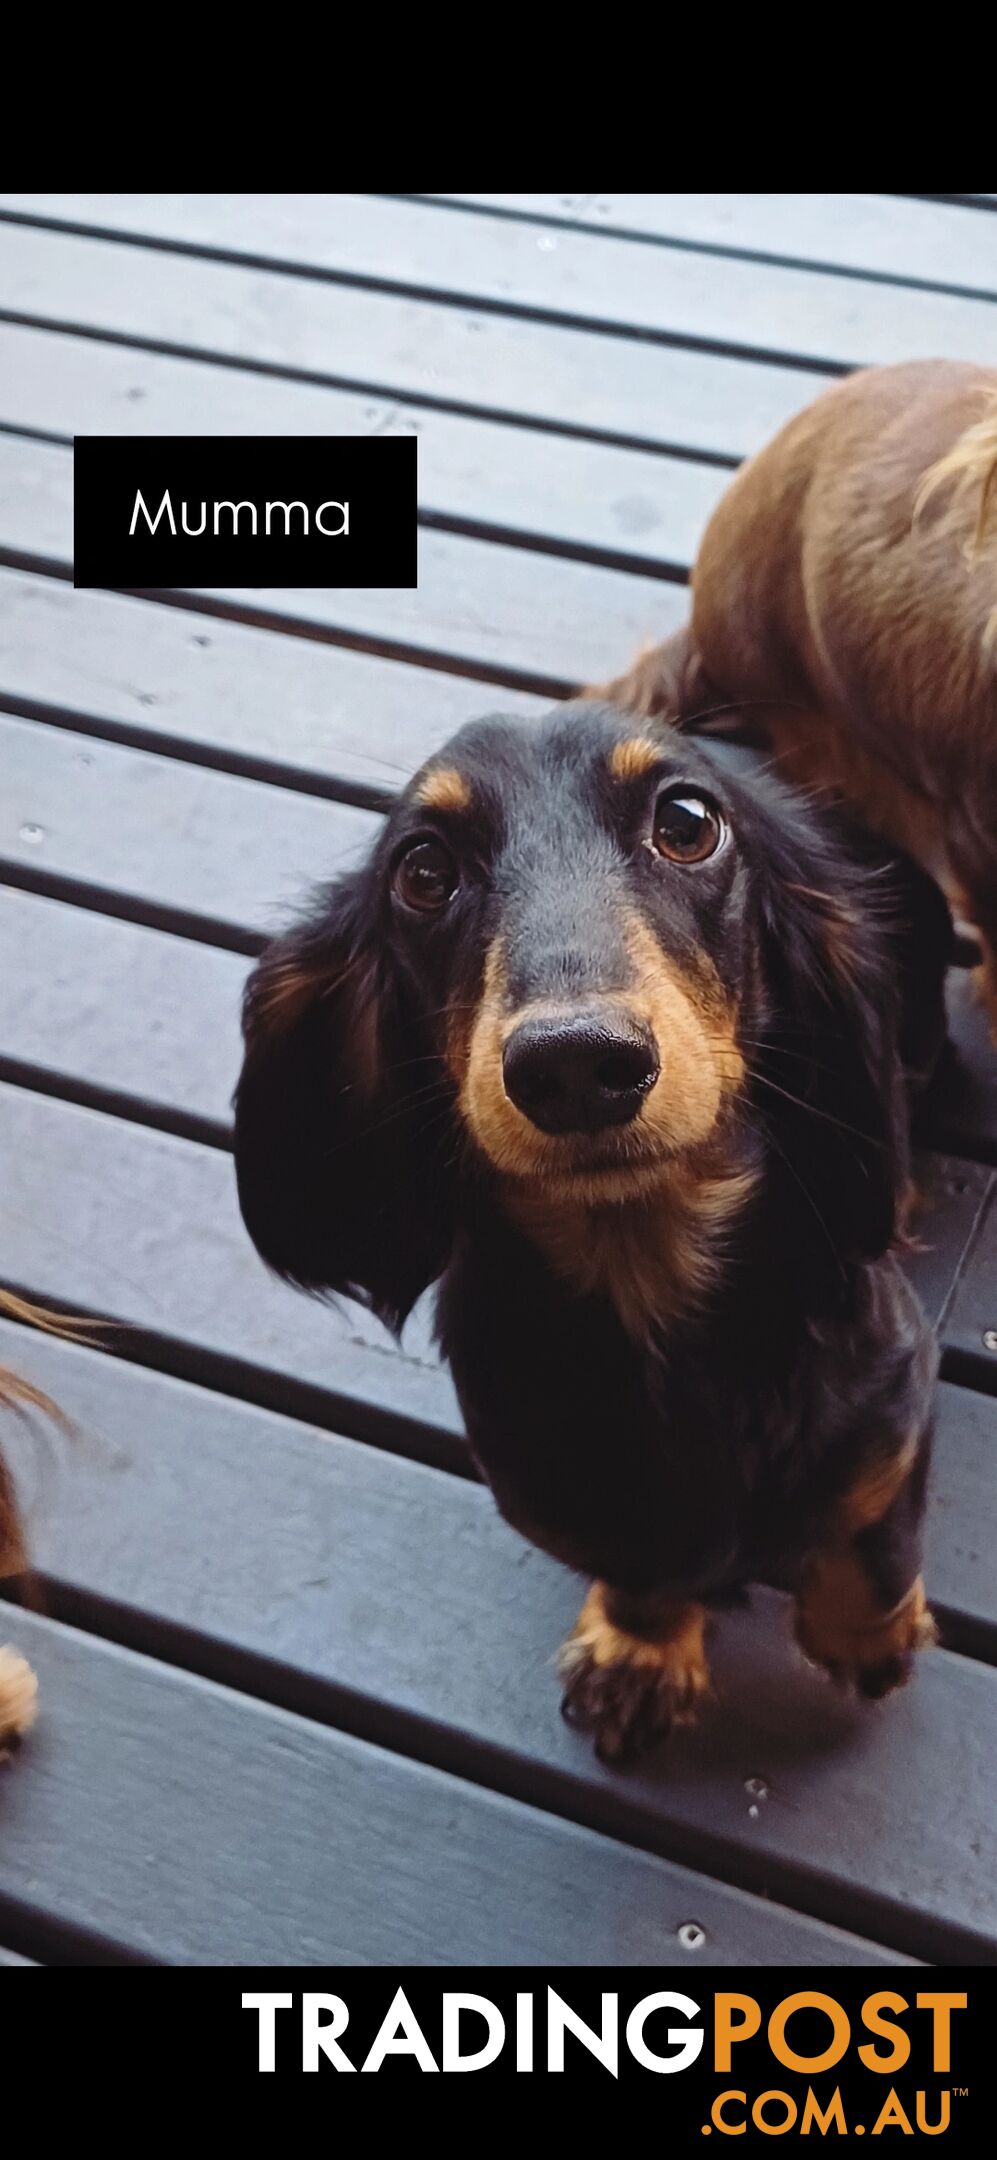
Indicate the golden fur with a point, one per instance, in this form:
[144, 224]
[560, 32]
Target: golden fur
[652, 1258]
[971, 468]
[444, 788]
[18, 1696]
[612, 1665]
[839, 1624]
[633, 759]
[702, 1064]
[18, 1686]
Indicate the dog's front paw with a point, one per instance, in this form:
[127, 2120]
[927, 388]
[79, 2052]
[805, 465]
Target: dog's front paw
[871, 1653]
[18, 1695]
[626, 1690]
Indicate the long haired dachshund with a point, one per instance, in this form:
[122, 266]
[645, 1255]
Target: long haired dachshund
[615, 1044]
[847, 582]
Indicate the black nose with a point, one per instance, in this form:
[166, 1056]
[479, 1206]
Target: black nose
[579, 1073]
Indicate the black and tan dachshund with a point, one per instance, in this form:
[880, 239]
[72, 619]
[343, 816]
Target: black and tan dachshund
[616, 1044]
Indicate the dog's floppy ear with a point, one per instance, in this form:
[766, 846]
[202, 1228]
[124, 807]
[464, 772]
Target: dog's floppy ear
[832, 1087]
[342, 1137]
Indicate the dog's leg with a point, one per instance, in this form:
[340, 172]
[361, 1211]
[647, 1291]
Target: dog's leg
[861, 1610]
[632, 1668]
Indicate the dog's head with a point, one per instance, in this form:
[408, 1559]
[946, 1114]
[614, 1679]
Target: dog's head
[580, 959]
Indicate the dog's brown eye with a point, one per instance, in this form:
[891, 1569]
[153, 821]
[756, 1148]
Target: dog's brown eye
[426, 877]
[687, 828]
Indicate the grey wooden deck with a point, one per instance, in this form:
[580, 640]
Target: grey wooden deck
[297, 1695]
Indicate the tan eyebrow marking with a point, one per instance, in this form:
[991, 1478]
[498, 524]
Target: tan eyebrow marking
[444, 789]
[630, 760]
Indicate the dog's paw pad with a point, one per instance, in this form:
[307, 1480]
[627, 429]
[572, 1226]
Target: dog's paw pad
[18, 1695]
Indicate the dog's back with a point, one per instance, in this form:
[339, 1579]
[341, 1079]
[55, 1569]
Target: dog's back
[835, 569]
[847, 587]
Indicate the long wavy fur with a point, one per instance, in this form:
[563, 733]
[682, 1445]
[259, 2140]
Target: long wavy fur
[971, 468]
[17, 1393]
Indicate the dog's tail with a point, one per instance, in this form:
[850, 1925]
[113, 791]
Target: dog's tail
[970, 469]
[18, 1393]
[664, 682]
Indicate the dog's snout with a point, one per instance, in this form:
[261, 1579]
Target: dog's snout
[579, 1072]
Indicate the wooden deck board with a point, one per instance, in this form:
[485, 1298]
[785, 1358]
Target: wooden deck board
[880, 236]
[147, 1231]
[148, 1234]
[478, 606]
[582, 278]
[476, 475]
[552, 375]
[321, 719]
[971, 1321]
[224, 857]
[259, 1483]
[298, 1572]
[116, 1014]
[121, 1520]
[137, 1760]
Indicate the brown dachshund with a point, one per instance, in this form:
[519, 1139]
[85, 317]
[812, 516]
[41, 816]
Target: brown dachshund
[847, 584]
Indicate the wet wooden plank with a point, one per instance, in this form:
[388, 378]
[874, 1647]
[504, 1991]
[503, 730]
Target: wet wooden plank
[424, 246]
[884, 236]
[281, 1561]
[345, 1854]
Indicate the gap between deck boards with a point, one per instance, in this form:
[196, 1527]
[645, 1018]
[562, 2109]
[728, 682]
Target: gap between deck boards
[466, 1717]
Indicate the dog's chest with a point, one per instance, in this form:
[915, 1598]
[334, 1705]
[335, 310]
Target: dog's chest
[652, 1262]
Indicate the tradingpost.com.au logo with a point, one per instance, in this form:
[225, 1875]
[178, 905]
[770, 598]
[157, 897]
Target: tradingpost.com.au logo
[280, 511]
[770, 2063]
